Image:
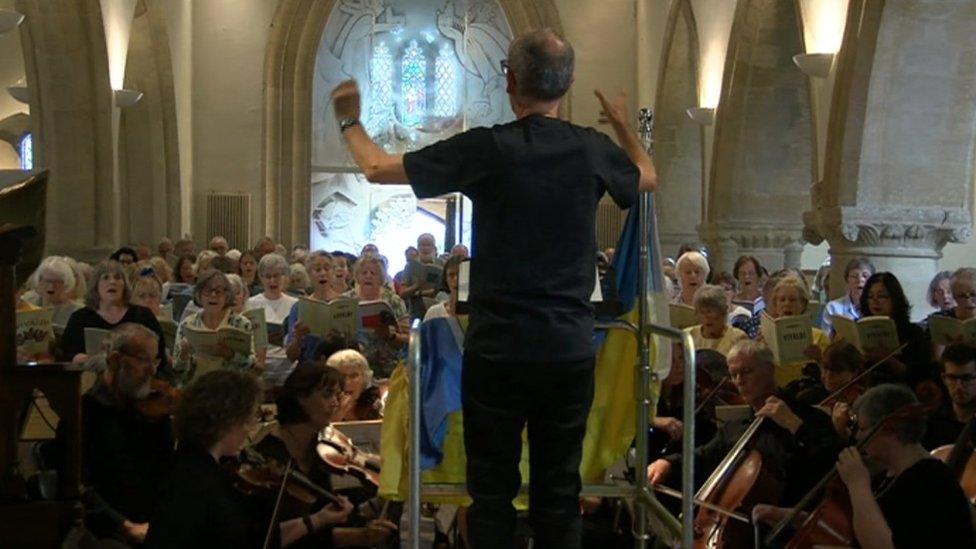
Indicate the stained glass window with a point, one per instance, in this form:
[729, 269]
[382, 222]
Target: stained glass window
[413, 85]
[27, 152]
[381, 90]
[445, 85]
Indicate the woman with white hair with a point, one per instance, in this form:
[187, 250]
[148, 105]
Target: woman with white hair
[362, 398]
[714, 332]
[52, 282]
[273, 272]
[692, 270]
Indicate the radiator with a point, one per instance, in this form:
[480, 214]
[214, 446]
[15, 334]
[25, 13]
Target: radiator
[229, 215]
[609, 223]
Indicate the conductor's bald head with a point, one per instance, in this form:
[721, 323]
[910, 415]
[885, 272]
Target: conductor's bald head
[541, 63]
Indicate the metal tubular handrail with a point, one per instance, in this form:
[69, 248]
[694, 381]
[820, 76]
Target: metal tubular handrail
[413, 504]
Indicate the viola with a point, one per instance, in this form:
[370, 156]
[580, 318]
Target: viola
[161, 402]
[341, 455]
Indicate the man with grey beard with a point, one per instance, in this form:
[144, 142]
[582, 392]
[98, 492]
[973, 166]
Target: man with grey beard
[124, 455]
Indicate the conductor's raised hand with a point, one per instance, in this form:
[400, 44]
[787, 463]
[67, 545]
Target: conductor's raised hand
[346, 100]
[614, 112]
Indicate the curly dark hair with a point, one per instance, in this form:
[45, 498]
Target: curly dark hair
[900, 308]
[743, 259]
[213, 404]
[305, 379]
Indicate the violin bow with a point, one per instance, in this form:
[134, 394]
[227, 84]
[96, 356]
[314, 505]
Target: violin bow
[861, 375]
[277, 506]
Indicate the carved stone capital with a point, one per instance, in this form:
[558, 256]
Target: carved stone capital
[752, 236]
[898, 231]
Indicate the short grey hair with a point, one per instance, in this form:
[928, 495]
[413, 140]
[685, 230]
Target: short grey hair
[236, 284]
[273, 263]
[123, 335]
[752, 348]
[711, 297]
[934, 285]
[543, 63]
[878, 402]
[351, 357]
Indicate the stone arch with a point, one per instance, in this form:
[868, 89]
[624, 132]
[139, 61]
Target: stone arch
[898, 170]
[762, 148]
[677, 138]
[13, 128]
[66, 66]
[148, 148]
[289, 67]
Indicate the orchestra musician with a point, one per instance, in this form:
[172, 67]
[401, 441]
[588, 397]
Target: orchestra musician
[200, 506]
[306, 403]
[959, 377]
[798, 444]
[916, 501]
[125, 454]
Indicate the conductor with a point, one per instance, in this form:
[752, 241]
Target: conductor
[528, 356]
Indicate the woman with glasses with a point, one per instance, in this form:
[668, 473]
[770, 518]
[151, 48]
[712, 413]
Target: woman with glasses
[856, 273]
[883, 296]
[273, 272]
[107, 305]
[306, 404]
[52, 282]
[213, 293]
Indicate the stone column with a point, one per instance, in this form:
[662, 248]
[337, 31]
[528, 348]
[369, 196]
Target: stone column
[762, 153]
[898, 170]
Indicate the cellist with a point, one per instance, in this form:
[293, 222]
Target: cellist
[798, 444]
[916, 502]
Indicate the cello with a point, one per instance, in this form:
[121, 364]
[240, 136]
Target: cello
[961, 460]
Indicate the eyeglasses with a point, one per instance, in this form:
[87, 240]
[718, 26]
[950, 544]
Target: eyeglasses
[879, 296]
[964, 378]
[214, 291]
[503, 63]
[154, 361]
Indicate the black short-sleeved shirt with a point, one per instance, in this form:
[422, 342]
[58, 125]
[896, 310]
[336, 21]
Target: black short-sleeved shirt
[535, 184]
[73, 340]
[925, 507]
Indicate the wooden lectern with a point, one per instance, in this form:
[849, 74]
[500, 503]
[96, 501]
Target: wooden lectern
[23, 522]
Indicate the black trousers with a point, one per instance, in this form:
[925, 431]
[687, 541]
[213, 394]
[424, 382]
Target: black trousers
[499, 399]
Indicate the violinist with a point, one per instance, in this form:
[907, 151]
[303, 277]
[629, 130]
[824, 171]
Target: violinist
[124, 455]
[361, 398]
[306, 403]
[959, 378]
[841, 361]
[666, 427]
[200, 506]
[916, 502]
[798, 444]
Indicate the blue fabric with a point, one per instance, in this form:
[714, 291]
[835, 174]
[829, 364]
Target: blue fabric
[440, 382]
[308, 344]
[626, 262]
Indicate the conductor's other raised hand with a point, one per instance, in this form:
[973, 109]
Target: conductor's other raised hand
[346, 100]
[614, 112]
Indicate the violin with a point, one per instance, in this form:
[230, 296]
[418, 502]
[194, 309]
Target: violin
[161, 402]
[341, 455]
[255, 475]
[961, 460]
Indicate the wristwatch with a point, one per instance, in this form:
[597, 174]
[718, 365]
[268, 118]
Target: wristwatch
[347, 123]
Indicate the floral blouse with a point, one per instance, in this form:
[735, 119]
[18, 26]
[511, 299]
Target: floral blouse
[186, 369]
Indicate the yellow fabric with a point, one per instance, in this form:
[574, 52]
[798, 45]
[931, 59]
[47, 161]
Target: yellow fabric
[785, 373]
[610, 427]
